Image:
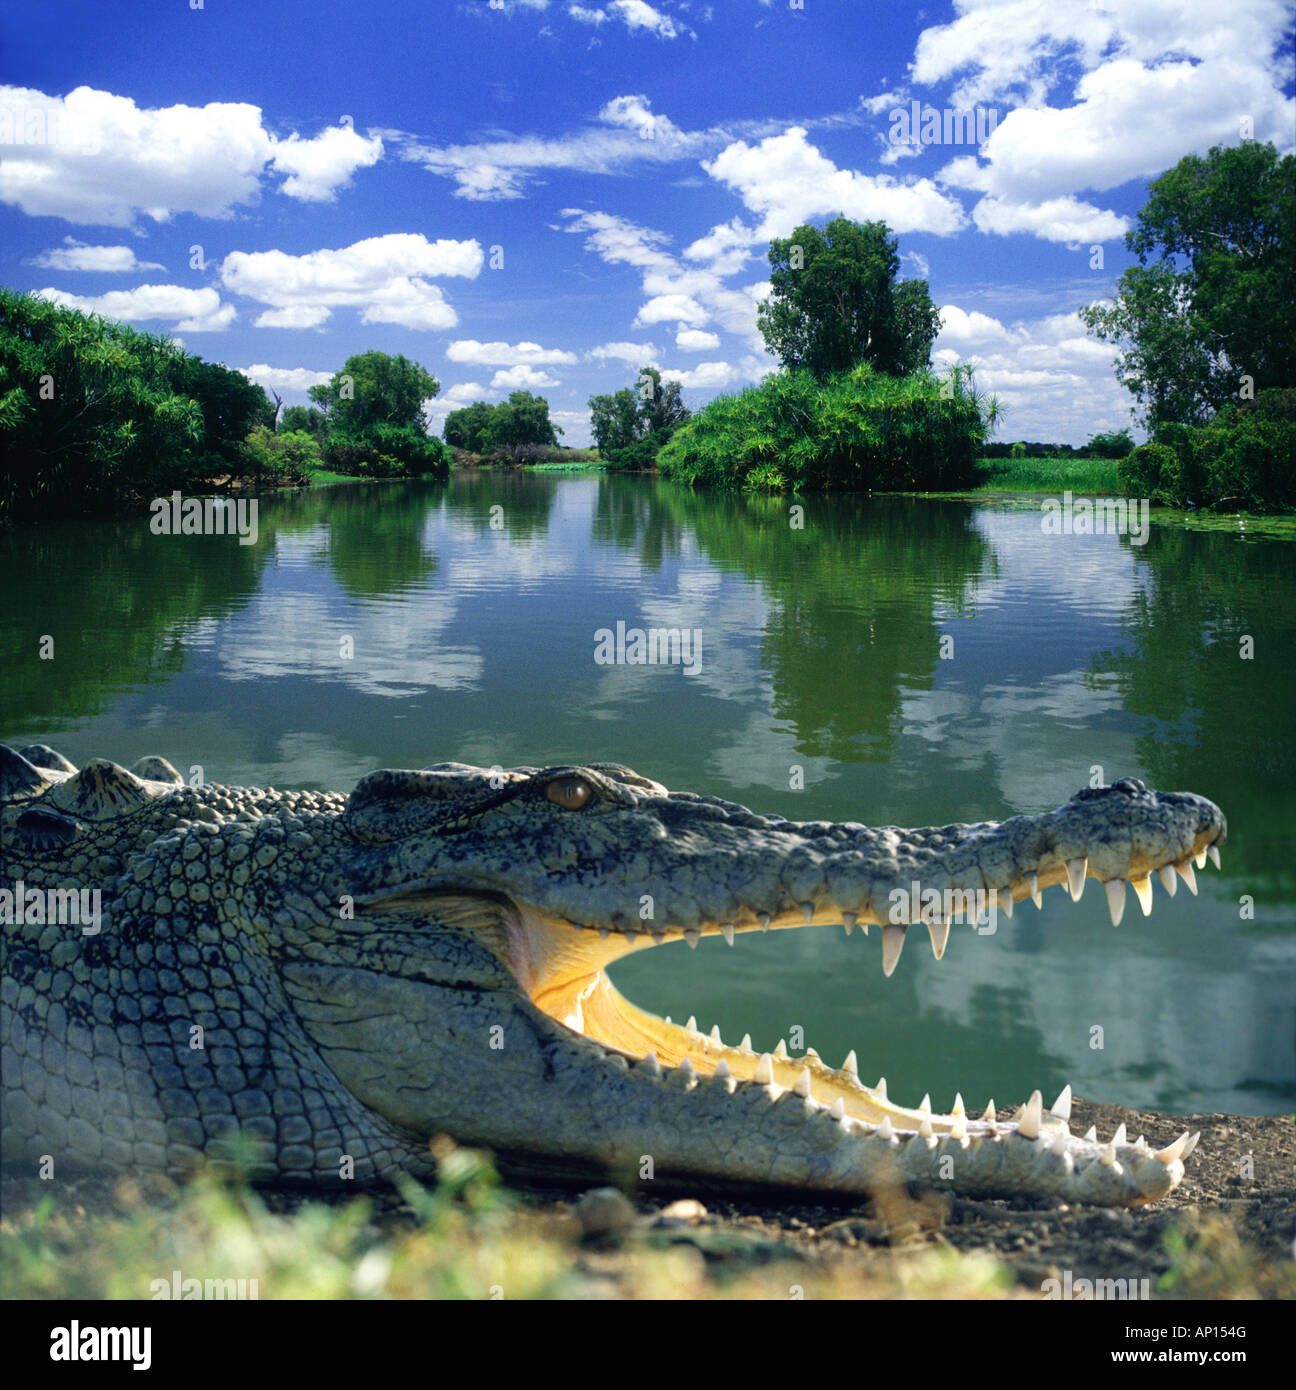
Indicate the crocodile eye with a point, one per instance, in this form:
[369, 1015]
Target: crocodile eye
[570, 793]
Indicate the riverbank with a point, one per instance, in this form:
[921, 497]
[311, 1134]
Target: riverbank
[1219, 1235]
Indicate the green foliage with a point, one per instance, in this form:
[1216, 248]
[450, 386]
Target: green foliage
[1114, 445]
[631, 427]
[374, 388]
[374, 422]
[1218, 302]
[92, 413]
[285, 456]
[466, 428]
[303, 417]
[859, 430]
[1018, 450]
[516, 431]
[520, 426]
[1242, 458]
[836, 302]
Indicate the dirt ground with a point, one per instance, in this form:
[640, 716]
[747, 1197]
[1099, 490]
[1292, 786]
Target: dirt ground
[1219, 1234]
[1228, 1231]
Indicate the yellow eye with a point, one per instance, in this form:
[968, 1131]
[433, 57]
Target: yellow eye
[570, 793]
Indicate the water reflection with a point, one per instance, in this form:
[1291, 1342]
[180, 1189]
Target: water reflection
[885, 660]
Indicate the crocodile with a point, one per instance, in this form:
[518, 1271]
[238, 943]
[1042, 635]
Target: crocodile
[318, 987]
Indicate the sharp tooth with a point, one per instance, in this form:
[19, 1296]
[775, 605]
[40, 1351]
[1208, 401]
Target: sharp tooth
[727, 929]
[851, 1064]
[925, 1128]
[1091, 1134]
[958, 1130]
[1061, 1107]
[652, 1065]
[1140, 1143]
[1213, 851]
[781, 1050]
[990, 1115]
[765, 1069]
[1175, 1151]
[1192, 1144]
[958, 1104]
[1200, 857]
[811, 1054]
[691, 1025]
[685, 1066]
[1169, 879]
[1076, 877]
[885, 1130]
[1143, 891]
[764, 919]
[1059, 1144]
[1028, 1122]
[1006, 902]
[893, 939]
[807, 910]
[848, 922]
[1186, 873]
[802, 1087]
[1115, 899]
[1032, 884]
[603, 933]
[939, 938]
[667, 1019]
[692, 937]
[715, 1035]
[838, 1111]
[925, 1106]
[1108, 1156]
[1119, 1138]
[745, 1045]
[722, 1069]
[880, 1089]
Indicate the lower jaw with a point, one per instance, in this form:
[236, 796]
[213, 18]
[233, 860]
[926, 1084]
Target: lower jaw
[591, 1006]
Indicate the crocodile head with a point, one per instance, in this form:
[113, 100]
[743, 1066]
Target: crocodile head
[562, 870]
[428, 957]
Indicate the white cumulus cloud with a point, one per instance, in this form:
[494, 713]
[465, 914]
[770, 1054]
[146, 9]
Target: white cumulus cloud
[77, 255]
[103, 160]
[186, 310]
[696, 340]
[787, 181]
[385, 277]
[285, 378]
[506, 354]
[522, 378]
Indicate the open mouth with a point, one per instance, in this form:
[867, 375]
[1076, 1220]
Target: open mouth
[562, 966]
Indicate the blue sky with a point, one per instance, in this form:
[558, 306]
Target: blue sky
[546, 194]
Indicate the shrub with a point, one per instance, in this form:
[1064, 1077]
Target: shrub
[271, 459]
[1243, 456]
[1018, 450]
[1148, 471]
[855, 431]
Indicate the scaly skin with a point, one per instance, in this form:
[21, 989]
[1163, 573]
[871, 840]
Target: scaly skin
[316, 987]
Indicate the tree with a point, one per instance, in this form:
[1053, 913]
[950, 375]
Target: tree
[231, 405]
[630, 427]
[375, 419]
[466, 428]
[375, 388]
[521, 423]
[1213, 298]
[835, 301]
[303, 418]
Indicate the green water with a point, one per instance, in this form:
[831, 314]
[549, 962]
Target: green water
[912, 662]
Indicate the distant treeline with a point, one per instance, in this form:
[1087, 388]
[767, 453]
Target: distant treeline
[98, 416]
